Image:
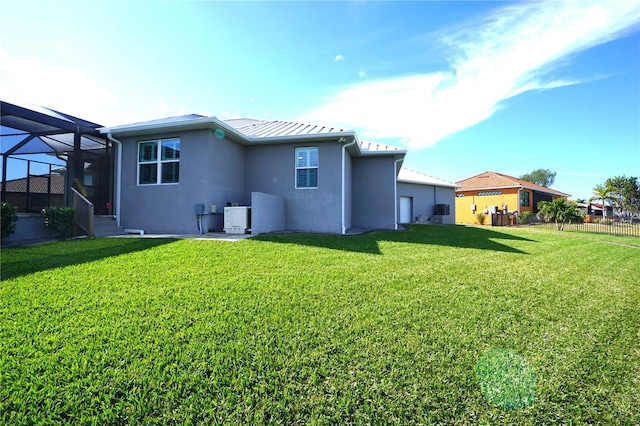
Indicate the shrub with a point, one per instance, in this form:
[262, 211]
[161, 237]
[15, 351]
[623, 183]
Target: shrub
[525, 217]
[9, 219]
[481, 217]
[605, 221]
[60, 220]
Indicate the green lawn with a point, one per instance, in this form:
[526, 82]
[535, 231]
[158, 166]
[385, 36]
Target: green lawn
[436, 325]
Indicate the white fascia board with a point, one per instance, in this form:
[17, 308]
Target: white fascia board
[432, 183]
[399, 152]
[139, 129]
[313, 137]
[213, 122]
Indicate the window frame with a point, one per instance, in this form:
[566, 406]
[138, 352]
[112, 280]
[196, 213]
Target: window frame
[307, 166]
[524, 198]
[159, 160]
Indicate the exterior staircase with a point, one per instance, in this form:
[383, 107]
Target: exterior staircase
[105, 226]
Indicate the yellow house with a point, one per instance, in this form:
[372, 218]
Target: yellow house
[491, 192]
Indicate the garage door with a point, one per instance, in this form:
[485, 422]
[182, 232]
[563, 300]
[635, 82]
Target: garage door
[405, 209]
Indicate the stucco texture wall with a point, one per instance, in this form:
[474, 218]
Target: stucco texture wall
[464, 214]
[425, 197]
[373, 192]
[211, 172]
[271, 169]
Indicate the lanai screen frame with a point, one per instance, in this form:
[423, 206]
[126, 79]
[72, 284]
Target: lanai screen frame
[32, 130]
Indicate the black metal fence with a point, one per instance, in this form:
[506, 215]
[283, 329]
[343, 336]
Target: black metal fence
[615, 228]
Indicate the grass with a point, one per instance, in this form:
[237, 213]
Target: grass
[436, 325]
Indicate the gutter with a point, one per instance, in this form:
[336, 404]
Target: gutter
[344, 185]
[395, 192]
[118, 175]
[214, 122]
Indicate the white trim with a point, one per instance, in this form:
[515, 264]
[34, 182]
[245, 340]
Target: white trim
[158, 161]
[307, 167]
[134, 231]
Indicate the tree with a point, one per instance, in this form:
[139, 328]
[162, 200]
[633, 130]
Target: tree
[626, 195]
[543, 177]
[604, 194]
[560, 210]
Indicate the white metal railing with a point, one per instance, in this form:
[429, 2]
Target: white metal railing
[84, 212]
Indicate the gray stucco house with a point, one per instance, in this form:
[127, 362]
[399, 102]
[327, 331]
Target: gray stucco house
[425, 199]
[295, 176]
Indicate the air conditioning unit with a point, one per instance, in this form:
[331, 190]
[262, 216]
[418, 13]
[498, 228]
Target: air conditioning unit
[441, 210]
[237, 220]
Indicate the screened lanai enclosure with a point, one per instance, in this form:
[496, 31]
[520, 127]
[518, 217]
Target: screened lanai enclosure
[53, 159]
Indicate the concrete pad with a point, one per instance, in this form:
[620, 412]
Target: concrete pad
[220, 236]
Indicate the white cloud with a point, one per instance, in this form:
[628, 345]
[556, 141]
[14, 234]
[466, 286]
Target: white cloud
[72, 91]
[505, 54]
[362, 74]
[68, 90]
[339, 58]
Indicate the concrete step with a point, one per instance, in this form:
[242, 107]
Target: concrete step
[105, 226]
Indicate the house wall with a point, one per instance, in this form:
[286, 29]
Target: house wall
[267, 213]
[464, 214]
[30, 227]
[373, 192]
[211, 172]
[271, 169]
[425, 197]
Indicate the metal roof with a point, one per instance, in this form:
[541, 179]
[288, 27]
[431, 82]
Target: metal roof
[280, 128]
[412, 176]
[161, 122]
[254, 131]
[374, 147]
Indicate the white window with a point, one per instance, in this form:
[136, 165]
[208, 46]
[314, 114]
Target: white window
[159, 162]
[307, 167]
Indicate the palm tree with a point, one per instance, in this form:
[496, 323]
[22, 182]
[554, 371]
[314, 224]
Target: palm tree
[604, 194]
[559, 210]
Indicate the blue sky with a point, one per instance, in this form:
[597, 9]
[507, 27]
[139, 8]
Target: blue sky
[465, 86]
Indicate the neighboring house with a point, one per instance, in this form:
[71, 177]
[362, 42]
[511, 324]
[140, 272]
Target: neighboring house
[425, 199]
[32, 194]
[294, 176]
[489, 192]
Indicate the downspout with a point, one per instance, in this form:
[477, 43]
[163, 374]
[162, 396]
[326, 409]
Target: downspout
[118, 175]
[344, 185]
[395, 192]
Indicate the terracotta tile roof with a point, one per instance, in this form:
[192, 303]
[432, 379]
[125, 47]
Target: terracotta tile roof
[492, 180]
[37, 184]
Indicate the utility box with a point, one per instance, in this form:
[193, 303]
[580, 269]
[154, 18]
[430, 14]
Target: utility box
[237, 220]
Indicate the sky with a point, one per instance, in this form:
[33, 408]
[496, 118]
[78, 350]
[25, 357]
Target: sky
[465, 87]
